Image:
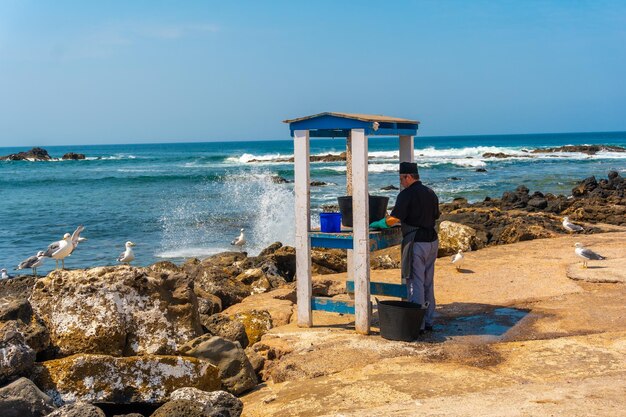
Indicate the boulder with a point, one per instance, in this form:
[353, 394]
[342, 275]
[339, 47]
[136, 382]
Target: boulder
[134, 379]
[19, 310]
[585, 186]
[235, 371]
[454, 237]
[16, 357]
[586, 149]
[277, 303]
[256, 323]
[224, 326]
[389, 188]
[277, 179]
[35, 154]
[117, 311]
[73, 156]
[22, 398]
[78, 409]
[216, 275]
[384, 262]
[257, 361]
[220, 401]
[208, 304]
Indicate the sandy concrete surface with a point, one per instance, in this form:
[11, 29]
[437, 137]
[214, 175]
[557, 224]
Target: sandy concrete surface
[514, 336]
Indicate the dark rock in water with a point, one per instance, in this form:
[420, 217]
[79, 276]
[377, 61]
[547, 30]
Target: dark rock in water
[35, 154]
[481, 170]
[586, 186]
[223, 326]
[586, 149]
[73, 156]
[613, 175]
[22, 398]
[455, 179]
[78, 409]
[16, 357]
[389, 188]
[503, 155]
[318, 183]
[538, 203]
[277, 179]
[235, 370]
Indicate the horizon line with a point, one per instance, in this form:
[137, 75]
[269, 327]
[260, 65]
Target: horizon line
[289, 139]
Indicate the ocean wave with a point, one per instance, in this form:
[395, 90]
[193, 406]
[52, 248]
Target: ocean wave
[247, 157]
[115, 157]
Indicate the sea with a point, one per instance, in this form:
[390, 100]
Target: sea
[181, 200]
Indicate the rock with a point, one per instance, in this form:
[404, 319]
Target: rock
[208, 304]
[216, 274]
[496, 155]
[277, 303]
[277, 179]
[16, 357]
[328, 261]
[270, 249]
[129, 415]
[454, 237]
[183, 408]
[455, 179]
[35, 154]
[389, 188]
[224, 326]
[219, 401]
[35, 333]
[256, 323]
[318, 183]
[73, 156]
[235, 371]
[117, 311]
[257, 361]
[78, 409]
[480, 170]
[585, 186]
[538, 203]
[22, 398]
[587, 149]
[134, 379]
[384, 262]
[613, 175]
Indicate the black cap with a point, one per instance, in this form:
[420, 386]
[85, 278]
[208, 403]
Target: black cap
[408, 168]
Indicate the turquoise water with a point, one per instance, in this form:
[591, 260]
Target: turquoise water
[191, 199]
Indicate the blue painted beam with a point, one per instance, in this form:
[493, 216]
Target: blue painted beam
[332, 306]
[379, 239]
[382, 288]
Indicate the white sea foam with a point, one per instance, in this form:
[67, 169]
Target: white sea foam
[191, 252]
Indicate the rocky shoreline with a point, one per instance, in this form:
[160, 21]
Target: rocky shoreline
[186, 338]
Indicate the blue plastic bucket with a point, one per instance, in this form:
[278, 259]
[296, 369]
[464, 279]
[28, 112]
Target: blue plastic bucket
[330, 222]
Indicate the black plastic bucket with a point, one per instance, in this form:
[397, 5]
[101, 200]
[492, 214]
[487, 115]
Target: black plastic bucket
[378, 208]
[400, 320]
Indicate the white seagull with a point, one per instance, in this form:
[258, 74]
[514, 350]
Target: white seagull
[33, 262]
[457, 259]
[4, 274]
[240, 241]
[76, 239]
[586, 254]
[128, 255]
[60, 250]
[571, 227]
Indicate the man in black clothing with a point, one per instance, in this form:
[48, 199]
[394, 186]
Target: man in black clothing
[416, 209]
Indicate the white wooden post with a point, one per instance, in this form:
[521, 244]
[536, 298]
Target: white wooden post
[349, 252]
[303, 225]
[407, 154]
[360, 219]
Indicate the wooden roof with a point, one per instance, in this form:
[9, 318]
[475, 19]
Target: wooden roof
[356, 116]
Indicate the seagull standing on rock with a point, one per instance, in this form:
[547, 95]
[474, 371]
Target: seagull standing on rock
[128, 255]
[586, 254]
[4, 274]
[457, 260]
[33, 262]
[571, 227]
[60, 250]
[240, 241]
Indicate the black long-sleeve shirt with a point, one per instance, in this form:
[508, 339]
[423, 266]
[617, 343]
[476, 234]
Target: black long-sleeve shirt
[418, 206]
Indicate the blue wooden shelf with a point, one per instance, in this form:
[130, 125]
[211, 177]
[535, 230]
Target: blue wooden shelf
[332, 306]
[382, 288]
[379, 239]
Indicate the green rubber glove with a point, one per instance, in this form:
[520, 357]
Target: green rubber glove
[380, 224]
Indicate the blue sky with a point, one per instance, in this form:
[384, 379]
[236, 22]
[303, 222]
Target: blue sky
[163, 71]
